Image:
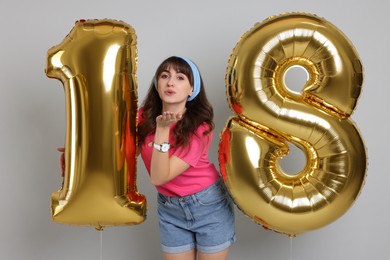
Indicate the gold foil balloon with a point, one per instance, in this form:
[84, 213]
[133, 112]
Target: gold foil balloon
[97, 63]
[270, 116]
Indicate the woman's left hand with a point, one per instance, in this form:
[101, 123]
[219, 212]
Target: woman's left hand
[62, 160]
[167, 118]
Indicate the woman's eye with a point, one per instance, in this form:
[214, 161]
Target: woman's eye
[180, 78]
[164, 76]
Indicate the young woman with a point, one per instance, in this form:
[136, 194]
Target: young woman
[196, 216]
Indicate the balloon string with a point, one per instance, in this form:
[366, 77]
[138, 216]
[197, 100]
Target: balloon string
[291, 248]
[101, 245]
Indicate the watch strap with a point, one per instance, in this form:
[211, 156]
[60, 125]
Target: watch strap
[164, 147]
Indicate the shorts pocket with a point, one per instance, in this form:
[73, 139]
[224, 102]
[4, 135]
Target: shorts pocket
[161, 199]
[212, 195]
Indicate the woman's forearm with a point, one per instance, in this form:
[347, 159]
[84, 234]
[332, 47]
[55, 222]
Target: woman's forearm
[159, 170]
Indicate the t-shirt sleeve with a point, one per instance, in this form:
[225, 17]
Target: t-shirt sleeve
[197, 148]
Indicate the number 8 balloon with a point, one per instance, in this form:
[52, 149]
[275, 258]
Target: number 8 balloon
[96, 63]
[270, 116]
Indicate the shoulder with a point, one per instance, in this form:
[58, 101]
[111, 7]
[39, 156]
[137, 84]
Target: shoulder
[203, 131]
[202, 128]
[140, 113]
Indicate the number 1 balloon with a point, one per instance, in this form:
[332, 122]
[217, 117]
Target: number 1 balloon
[97, 63]
[270, 116]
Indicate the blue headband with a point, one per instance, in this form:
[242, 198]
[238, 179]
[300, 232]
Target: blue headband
[196, 75]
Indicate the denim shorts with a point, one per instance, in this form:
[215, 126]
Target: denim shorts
[203, 221]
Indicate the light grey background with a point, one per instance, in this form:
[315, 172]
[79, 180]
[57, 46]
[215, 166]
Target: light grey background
[32, 117]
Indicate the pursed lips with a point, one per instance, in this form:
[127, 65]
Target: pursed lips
[169, 92]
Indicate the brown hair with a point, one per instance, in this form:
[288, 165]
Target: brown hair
[199, 110]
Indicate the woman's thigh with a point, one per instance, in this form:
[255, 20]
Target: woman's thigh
[222, 255]
[188, 255]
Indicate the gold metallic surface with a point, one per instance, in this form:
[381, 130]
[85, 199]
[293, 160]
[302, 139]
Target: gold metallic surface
[270, 116]
[96, 63]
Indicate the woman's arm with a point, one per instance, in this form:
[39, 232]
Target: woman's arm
[62, 160]
[164, 168]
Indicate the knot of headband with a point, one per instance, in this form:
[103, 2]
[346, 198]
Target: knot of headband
[196, 75]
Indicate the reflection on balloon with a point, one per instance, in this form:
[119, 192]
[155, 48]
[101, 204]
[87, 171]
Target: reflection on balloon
[270, 116]
[96, 63]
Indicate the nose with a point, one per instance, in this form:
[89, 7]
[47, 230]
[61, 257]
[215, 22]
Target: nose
[170, 81]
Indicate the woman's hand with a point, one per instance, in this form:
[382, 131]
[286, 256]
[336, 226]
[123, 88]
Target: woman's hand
[167, 118]
[62, 160]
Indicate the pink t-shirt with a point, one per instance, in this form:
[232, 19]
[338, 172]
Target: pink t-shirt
[201, 173]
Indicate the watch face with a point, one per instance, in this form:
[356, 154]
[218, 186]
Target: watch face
[164, 147]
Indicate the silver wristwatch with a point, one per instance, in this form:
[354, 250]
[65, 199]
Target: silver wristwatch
[164, 147]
